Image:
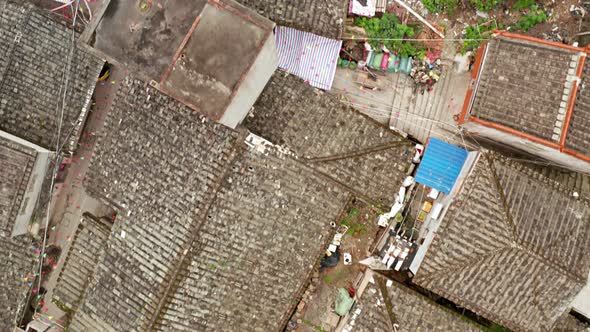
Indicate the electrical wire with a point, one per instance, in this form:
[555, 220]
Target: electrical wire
[446, 40]
[387, 114]
[64, 91]
[89, 10]
[62, 6]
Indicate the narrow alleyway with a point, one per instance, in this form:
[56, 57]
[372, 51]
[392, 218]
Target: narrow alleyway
[70, 199]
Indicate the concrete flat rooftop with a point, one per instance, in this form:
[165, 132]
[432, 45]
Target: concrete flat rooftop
[199, 51]
[146, 38]
[222, 45]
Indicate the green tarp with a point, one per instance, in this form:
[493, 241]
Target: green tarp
[343, 302]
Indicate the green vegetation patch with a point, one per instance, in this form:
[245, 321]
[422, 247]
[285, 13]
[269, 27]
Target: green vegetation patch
[389, 31]
[477, 34]
[353, 226]
[438, 6]
[486, 5]
[523, 4]
[536, 16]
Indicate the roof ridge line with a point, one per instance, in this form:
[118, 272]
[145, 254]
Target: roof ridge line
[503, 199]
[467, 263]
[479, 310]
[554, 264]
[358, 153]
[521, 244]
[552, 183]
[175, 273]
[476, 257]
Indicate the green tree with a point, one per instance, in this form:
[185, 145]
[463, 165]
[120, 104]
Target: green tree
[528, 21]
[389, 31]
[477, 34]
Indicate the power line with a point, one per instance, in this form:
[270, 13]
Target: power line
[446, 40]
[58, 147]
[383, 113]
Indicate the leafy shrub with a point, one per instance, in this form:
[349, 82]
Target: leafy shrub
[383, 30]
[522, 4]
[475, 35]
[486, 5]
[437, 6]
[528, 21]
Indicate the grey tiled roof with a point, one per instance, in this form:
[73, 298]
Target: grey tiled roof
[578, 137]
[569, 323]
[18, 262]
[34, 49]
[159, 163]
[411, 311]
[210, 234]
[513, 247]
[16, 163]
[87, 247]
[266, 227]
[522, 85]
[325, 18]
[334, 139]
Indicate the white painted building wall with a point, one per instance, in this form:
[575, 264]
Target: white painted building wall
[251, 87]
[34, 185]
[528, 146]
[581, 303]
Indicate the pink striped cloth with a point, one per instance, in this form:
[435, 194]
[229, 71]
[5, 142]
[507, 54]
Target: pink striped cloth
[308, 56]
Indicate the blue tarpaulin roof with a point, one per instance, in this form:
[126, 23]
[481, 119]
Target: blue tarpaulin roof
[441, 165]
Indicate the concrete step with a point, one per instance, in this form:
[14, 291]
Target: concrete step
[419, 115]
[400, 106]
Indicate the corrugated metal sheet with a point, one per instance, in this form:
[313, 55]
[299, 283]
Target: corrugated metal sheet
[311, 57]
[441, 165]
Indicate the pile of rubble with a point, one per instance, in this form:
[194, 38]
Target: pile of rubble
[425, 74]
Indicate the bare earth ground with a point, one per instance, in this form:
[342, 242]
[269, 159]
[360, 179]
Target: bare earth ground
[315, 314]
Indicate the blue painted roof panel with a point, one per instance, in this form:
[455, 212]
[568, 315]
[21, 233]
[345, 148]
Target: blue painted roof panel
[441, 165]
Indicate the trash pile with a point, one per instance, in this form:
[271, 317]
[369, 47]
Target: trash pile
[425, 74]
[556, 35]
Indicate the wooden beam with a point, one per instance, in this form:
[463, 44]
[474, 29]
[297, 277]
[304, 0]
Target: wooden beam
[422, 19]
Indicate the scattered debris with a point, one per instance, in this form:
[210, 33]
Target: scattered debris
[347, 258]
[425, 74]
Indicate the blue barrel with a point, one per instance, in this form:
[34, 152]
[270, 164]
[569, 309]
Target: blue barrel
[405, 65]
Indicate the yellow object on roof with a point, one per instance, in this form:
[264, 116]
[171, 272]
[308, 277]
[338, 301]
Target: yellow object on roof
[427, 206]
